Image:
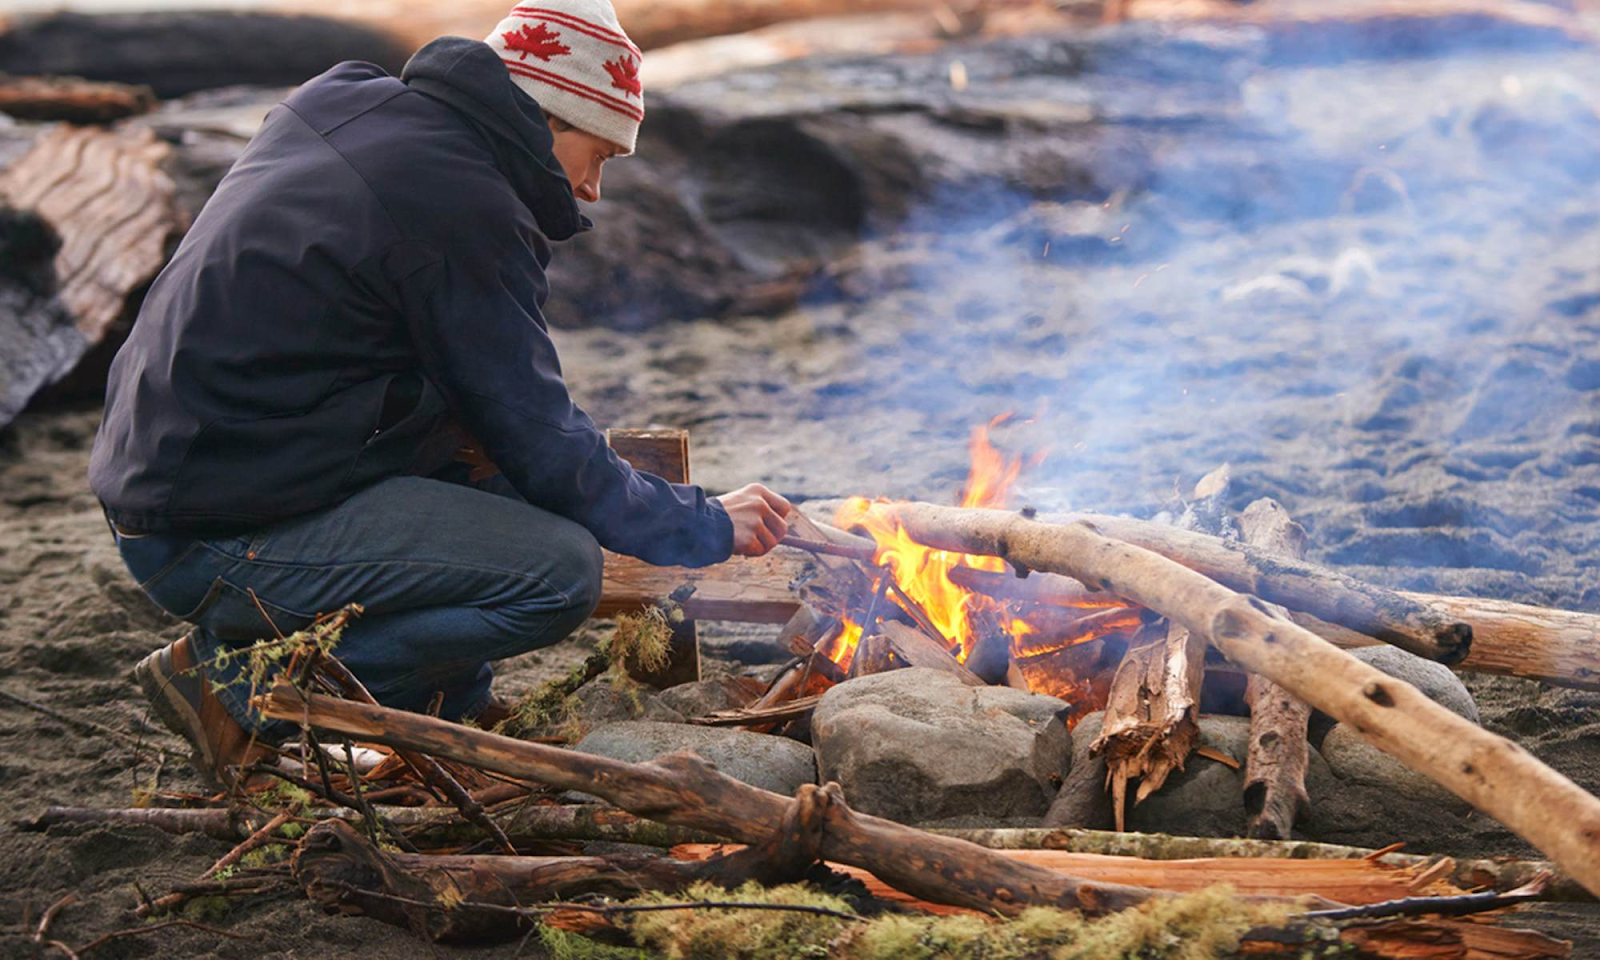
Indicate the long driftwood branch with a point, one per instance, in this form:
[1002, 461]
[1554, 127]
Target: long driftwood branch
[1299, 585]
[684, 790]
[1275, 766]
[1559, 647]
[1489, 771]
[446, 897]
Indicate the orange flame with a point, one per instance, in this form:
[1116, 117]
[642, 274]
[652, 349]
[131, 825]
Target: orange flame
[922, 572]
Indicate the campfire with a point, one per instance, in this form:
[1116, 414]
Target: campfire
[883, 600]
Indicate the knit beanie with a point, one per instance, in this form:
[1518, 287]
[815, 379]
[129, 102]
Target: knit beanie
[573, 58]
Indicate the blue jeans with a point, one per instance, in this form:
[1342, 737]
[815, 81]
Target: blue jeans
[451, 575]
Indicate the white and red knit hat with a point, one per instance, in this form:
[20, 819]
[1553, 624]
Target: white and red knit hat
[572, 57]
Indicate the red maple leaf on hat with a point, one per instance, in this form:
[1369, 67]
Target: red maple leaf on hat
[624, 74]
[540, 41]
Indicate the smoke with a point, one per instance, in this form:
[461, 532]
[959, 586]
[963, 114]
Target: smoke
[1366, 272]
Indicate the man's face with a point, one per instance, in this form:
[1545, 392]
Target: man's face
[581, 154]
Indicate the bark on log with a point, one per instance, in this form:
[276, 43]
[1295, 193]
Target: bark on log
[1558, 647]
[682, 789]
[1275, 765]
[1152, 715]
[1299, 585]
[1487, 770]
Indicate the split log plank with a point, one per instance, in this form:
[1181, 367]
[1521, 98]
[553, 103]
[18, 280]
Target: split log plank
[682, 789]
[899, 645]
[1355, 882]
[1152, 719]
[1487, 770]
[1275, 763]
[745, 589]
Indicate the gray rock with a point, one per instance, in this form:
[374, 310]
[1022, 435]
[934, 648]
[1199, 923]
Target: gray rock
[1356, 761]
[708, 696]
[1436, 681]
[1206, 798]
[917, 745]
[603, 701]
[771, 763]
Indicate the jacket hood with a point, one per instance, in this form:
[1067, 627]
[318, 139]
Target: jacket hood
[468, 75]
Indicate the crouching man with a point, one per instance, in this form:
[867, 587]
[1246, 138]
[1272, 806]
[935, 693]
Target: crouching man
[361, 293]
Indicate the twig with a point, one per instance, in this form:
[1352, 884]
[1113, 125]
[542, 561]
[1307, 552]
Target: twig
[91, 725]
[1458, 905]
[367, 816]
[256, 839]
[335, 797]
[863, 553]
[50, 915]
[136, 931]
[431, 771]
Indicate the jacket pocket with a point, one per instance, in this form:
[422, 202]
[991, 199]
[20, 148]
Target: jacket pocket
[238, 616]
[414, 434]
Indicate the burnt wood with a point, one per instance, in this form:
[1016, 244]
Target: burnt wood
[1275, 765]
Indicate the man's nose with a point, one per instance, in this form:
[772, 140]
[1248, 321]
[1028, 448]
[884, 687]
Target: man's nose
[589, 191]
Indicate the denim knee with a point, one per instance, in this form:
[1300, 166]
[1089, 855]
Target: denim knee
[588, 566]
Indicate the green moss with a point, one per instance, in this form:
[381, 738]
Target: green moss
[561, 945]
[641, 641]
[739, 934]
[206, 909]
[292, 830]
[1198, 926]
[283, 795]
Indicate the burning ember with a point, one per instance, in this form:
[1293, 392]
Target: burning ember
[1025, 644]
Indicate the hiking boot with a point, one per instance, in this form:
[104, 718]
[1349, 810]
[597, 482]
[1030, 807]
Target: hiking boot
[181, 694]
[497, 712]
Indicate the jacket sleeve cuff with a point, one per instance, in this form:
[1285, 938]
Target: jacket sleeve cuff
[722, 532]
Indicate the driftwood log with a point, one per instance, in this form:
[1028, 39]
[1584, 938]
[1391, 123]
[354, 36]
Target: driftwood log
[682, 789]
[1558, 647]
[71, 99]
[175, 52]
[1378, 612]
[111, 209]
[1275, 764]
[1488, 771]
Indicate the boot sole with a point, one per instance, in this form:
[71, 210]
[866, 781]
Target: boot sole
[175, 713]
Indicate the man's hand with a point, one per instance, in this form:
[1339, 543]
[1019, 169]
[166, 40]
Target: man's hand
[758, 518]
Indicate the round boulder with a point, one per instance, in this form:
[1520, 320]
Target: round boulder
[917, 744]
[771, 763]
[1356, 761]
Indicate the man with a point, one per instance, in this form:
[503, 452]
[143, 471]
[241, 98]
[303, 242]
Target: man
[361, 293]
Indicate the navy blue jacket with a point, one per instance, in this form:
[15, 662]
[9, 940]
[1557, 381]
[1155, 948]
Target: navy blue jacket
[365, 282]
